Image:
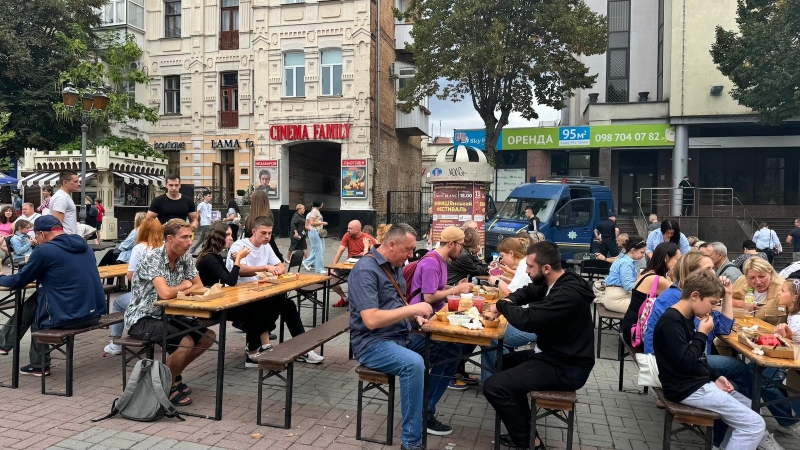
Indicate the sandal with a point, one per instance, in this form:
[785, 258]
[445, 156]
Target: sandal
[180, 399]
[182, 386]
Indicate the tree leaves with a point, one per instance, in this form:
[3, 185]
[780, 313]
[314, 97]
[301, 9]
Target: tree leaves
[762, 58]
[507, 55]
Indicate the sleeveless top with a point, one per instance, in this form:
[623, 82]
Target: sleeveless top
[632, 314]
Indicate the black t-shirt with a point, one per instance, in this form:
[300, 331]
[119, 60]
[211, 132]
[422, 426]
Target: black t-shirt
[688, 188]
[795, 234]
[298, 224]
[607, 229]
[680, 355]
[166, 208]
[534, 224]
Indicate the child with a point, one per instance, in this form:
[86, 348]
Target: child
[789, 298]
[687, 378]
[21, 243]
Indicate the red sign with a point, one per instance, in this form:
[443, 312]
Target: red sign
[266, 163]
[316, 131]
[354, 162]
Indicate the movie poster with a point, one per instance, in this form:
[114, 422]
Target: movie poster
[354, 178]
[136, 194]
[267, 177]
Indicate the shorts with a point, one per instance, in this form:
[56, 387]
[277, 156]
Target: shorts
[298, 244]
[152, 330]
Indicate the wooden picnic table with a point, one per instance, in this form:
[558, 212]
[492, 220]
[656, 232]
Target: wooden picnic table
[102, 246]
[436, 330]
[113, 271]
[762, 361]
[217, 309]
[341, 266]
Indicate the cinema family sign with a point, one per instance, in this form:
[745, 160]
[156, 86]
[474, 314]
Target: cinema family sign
[316, 132]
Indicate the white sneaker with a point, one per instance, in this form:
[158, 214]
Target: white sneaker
[113, 349]
[250, 361]
[306, 266]
[311, 358]
[791, 430]
[768, 443]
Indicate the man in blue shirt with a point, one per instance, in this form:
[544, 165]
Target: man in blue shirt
[380, 333]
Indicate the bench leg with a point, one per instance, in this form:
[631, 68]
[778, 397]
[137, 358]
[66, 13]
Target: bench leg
[532, 443]
[124, 367]
[621, 357]
[42, 362]
[260, 395]
[289, 386]
[709, 438]
[667, 430]
[280, 333]
[390, 412]
[599, 337]
[70, 348]
[359, 405]
[570, 428]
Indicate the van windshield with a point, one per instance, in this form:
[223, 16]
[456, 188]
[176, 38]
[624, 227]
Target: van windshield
[514, 208]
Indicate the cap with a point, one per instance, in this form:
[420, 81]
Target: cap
[47, 223]
[451, 234]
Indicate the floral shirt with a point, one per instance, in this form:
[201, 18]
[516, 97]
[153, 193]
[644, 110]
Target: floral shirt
[154, 264]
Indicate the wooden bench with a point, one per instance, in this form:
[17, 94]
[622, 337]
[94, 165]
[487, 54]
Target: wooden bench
[693, 419]
[281, 358]
[375, 380]
[55, 338]
[559, 404]
[138, 350]
[624, 351]
[607, 320]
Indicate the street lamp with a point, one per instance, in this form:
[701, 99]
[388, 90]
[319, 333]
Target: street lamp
[97, 101]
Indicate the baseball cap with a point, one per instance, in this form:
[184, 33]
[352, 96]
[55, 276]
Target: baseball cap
[47, 223]
[451, 234]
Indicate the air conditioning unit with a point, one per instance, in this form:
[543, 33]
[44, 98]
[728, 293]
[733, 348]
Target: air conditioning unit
[401, 69]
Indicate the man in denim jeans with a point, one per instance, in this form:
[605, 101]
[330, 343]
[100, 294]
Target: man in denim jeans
[380, 332]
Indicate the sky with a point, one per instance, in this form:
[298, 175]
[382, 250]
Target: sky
[462, 115]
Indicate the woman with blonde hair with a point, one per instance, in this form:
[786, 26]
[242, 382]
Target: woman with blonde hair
[513, 251]
[382, 230]
[259, 207]
[126, 247]
[760, 276]
[150, 236]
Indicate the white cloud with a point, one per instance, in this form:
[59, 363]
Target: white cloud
[447, 116]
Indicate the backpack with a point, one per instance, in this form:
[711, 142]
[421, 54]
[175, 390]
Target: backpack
[639, 329]
[146, 396]
[92, 211]
[408, 275]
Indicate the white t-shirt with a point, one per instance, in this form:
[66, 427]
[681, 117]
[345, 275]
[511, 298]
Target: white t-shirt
[137, 253]
[204, 211]
[62, 202]
[261, 256]
[521, 278]
[794, 324]
[760, 297]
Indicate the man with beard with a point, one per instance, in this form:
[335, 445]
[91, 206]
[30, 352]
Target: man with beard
[555, 306]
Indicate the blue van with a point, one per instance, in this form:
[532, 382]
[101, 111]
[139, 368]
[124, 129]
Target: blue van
[569, 210]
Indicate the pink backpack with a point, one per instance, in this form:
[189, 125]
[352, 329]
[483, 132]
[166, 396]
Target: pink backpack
[640, 327]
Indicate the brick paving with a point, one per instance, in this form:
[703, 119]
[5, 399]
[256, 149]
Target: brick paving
[323, 415]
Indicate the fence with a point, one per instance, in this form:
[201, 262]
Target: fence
[410, 207]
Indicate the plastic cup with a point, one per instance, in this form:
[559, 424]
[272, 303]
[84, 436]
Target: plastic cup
[452, 302]
[478, 303]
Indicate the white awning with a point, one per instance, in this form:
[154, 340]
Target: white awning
[139, 178]
[46, 178]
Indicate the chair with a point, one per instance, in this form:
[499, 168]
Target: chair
[375, 381]
[308, 293]
[295, 261]
[15, 265]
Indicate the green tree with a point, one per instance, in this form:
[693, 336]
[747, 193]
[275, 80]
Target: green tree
[506, 55]
[5, 136]
[762, 58]
[31, 60]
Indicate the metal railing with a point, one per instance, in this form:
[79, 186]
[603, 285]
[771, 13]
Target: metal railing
[746, 216]
[706, 202]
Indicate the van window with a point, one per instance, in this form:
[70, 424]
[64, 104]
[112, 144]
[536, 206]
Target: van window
[604, 210]
[514, 208]
[575, 214]
[579, 192]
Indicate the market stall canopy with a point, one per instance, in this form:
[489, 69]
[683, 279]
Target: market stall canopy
[6, 180]
[140, 178]
[49, 178]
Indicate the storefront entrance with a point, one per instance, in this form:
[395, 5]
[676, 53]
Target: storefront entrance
[315, 174]
[223, 178]
[637, 169]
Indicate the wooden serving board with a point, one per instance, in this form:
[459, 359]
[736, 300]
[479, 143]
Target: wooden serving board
[443, 331]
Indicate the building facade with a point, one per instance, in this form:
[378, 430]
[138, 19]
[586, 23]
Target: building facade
[286, 96]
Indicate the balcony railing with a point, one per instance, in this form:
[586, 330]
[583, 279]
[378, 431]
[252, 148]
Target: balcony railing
[414, 123]
[402, 34]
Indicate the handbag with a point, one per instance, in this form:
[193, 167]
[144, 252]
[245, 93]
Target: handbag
[323, 233]
[648, 370]
[599, 288]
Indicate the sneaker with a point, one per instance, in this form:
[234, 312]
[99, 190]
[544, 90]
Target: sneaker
[306, 266]
[3, 351]
[311, 358]
[415, 447]
[273, 337]
[29, 370]
[249, 360]
[791, 430]
[467, 378]
[341, 303]
[768, 443]
[113, 349]
[457, 385]
[437, 428]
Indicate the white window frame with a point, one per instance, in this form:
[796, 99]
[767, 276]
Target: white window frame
[131, 8]
[290, 73]
[329, 70]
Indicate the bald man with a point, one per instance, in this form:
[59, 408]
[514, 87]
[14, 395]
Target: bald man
[357, 244]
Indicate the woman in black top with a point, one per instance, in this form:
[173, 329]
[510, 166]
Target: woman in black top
[297, 232]
[257, 316]
[665, 256]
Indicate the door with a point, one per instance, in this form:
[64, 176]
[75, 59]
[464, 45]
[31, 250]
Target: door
[229, 100]
[222, 178]
[572, 227]
[637, 170]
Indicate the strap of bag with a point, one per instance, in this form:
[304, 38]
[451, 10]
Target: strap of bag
[120, 403]
[391, 278]
[169, 408]
[654, 289]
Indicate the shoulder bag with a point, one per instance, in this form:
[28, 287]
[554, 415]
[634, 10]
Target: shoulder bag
[648, 370]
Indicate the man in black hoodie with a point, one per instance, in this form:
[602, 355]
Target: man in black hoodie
[555, 306]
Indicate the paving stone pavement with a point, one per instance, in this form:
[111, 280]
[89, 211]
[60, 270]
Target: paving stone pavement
[324, 408]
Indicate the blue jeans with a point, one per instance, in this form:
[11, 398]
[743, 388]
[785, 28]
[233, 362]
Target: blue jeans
[317, 252]
[120, 304]
[408, 365]
[736, 371]
[513, 338]
[781, 412]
